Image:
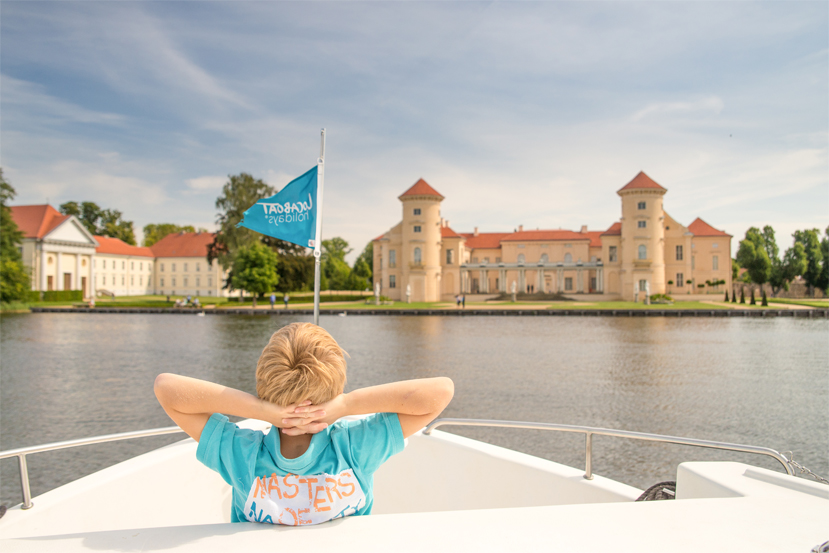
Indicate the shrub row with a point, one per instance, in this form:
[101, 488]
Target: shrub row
[55, 295]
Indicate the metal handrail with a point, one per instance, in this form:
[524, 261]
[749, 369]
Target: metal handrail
[589, 431]
[21, 452]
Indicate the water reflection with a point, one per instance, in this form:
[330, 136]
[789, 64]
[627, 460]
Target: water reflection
[755, 381]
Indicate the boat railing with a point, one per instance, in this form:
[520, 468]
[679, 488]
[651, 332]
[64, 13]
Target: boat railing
[590, 431]
[22, 452]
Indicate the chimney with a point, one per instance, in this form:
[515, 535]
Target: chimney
[442, 223]
[583, 229]
[520, 228]
[475, 233]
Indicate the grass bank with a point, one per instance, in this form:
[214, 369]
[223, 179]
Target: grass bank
[819, 303]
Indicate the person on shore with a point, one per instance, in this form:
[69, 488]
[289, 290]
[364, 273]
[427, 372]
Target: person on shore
[300, 379]
[463, 301]
[273, 299]
[286, 299]
[458, 300]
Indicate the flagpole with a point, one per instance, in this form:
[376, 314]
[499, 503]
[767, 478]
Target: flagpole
[318, 235]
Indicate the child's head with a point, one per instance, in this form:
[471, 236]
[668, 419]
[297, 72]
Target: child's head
[301, 362]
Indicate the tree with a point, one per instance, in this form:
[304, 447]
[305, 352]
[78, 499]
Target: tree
[254, 270]
[753, 255]
[726, 295]
[735, 270]
[155, 232]
[14, 279]
[765, 301]
[742, 294]
[334, 266]
[753, 301]
[793, 265]
[238, 194]
[823, 281]
[814, 257]
[367, 256]
[102, 222]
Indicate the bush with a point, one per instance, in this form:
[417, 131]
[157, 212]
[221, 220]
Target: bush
[55, 295]
[661, 298]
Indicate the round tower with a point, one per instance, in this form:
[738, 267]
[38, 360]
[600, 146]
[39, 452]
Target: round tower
[643, 238]
[420, 259]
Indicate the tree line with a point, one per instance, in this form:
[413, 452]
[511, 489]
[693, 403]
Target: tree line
[808, 257]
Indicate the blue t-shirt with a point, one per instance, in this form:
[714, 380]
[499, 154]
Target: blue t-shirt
[334, 478]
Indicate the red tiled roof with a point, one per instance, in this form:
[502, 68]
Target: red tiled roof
[36, 221]
[642, 181]
[701, 228]
[545, 235]
[117, 246]
[378, 238]
[595, 238]
[485, 240]
[446, 232]
[183, 244]
[421, 188]
[614, 230]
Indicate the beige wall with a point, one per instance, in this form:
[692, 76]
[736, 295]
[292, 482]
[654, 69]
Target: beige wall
[677, 244]
[190, 276]
[704, 251]
[424, 277]
[124, 275]
[651, 236]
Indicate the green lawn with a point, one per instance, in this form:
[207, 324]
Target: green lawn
[633, 305]
[822, 303]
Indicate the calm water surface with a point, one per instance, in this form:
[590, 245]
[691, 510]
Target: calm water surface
[753, 381]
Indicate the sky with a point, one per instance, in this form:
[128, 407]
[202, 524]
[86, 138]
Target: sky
[518, 113]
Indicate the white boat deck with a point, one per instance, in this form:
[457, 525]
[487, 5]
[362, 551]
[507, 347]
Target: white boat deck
[443, 493]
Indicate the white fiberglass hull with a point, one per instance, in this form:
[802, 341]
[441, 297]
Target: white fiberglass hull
[443, 493]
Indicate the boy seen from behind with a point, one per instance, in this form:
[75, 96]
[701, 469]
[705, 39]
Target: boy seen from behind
[309, 468]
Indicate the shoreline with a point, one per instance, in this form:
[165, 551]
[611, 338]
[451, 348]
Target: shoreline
[476, 312]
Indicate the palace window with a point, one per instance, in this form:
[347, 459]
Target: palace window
[173, 268]
[198, 282]
[448, 257]
[715, 263]
[520, 245]
[545, 258]
[521, 259]
[679, 253]
[123, 265]
[642, 205]
[141, 266]
[210, 281]
[474, 260]
[103, 281]
[122, 280]
[641, 224]
[693, 262]
[715, 245]
[643, 252]
[185, 269]
[185, 281]
[173, 281]
[568, 283]
[132, 280]
[680, 279]
[392, 258]
[162, 267]
[417, 211]
[417, 228]
[568, 258]
[392, 281]
[132, 265]
[643, 285]
[417, 257]
[103, 263]
[611, 252]
[486, 260]
[161, 281]
[497, 260]
[198, 267]
[141, 281]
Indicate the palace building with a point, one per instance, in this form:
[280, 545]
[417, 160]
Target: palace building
[646, 250]
[62, 255]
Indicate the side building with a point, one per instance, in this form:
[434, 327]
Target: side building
[645, 250]
[61, 254]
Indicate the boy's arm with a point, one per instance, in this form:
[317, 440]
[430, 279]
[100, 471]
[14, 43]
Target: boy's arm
[416, 402]
[190, 402]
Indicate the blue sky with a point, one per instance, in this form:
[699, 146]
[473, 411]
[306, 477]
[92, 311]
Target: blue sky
[530, 113]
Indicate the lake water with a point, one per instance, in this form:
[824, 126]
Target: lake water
[752, 381]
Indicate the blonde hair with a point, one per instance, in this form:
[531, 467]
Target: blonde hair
[301, 362]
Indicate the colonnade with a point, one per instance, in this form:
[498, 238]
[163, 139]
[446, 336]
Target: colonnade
[482, 273]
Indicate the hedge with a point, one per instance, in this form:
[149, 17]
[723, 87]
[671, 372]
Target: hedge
[56, 295]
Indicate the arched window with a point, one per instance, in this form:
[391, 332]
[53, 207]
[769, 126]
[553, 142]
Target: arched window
[417, 256]
[643, 252]
[545, 258]
[568, 258]
[521, 258]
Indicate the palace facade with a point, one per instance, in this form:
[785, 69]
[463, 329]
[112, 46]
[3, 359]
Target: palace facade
[62, 255]
[646, 250]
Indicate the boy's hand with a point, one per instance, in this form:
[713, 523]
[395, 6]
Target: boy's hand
[310, 419]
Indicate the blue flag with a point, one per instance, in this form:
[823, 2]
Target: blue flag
[290, 214]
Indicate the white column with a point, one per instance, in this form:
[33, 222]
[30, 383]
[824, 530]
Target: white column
[522, 281]
[600, 280]
[502, 280]
[580, 278]
[77, 271]
[560, 280]
[42, 268]
[540, 277]
[92, 276]
[59, 276]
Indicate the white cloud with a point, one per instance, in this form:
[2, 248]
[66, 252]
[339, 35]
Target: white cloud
[710, 105]
[206, 184]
